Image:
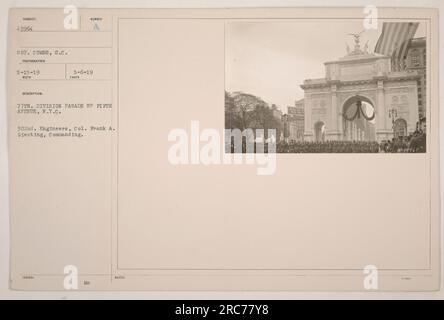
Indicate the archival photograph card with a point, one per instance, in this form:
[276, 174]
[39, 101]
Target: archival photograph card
[287, 149]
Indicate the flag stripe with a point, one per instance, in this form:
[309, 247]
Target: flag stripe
[379, 43]
[387, 35]
[403, 29]
[410, 35]
[378, 47]
[394, 38]
[401, 38]
[386, 41]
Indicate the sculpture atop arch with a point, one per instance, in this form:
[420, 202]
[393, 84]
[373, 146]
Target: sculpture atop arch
[360, 77]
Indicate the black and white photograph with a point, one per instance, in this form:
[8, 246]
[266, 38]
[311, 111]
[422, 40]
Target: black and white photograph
[219, 158]
[326, 86]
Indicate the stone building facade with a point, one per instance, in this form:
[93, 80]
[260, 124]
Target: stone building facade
[294, 122]
[360, 77]
[415, 60]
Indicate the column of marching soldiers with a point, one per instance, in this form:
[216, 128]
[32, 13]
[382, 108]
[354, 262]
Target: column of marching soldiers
[415, 142]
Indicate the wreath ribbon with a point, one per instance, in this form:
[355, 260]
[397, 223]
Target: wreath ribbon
[358, 113]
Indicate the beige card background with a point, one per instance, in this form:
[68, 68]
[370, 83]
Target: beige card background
[115, 207]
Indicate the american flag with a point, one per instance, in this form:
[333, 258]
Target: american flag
[394, 39]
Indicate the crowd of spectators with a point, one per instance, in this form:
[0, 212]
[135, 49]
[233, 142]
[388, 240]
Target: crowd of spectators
[415, 142]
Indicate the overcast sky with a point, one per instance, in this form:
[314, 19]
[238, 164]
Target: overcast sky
[271, 59]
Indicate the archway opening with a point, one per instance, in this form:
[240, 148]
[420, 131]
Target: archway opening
[359, 117]
[319, 131]
[400, 128]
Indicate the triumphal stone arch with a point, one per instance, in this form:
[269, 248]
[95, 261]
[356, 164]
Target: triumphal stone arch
[360, 98]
